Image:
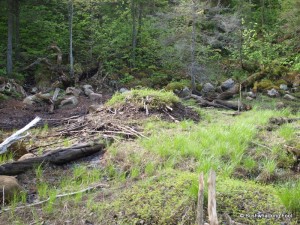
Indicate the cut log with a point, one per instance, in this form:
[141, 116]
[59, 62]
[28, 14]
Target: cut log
[53, 100]
[254, 77]
[56, 157]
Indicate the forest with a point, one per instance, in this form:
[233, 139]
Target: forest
[149, 112]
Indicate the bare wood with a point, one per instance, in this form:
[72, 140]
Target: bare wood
[212, 205]
[200, 211]
[17, 135]
[56, 157]
[97, 186]
[53, 100]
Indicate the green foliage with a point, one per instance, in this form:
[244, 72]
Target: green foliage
[290, 195]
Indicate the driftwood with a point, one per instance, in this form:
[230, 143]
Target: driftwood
[200, 211]
[17, 136]
[56, 157]
[212, 205]
[53, 100]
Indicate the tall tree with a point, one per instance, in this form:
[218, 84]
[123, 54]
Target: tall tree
[9, 62]
[71, 37]
[193, 45]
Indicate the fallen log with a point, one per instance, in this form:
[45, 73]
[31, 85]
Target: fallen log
[56, 157]
[233, 105]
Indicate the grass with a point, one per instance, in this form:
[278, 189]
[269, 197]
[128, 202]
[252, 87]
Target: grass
[155, 99]
[155, 180]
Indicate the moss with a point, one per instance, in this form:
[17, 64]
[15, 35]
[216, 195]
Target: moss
[177, 85]
[158, 200]
[266, 84]
[279, 82]
[156, 99]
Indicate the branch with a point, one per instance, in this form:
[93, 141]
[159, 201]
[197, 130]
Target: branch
[58, 196]
[17, 136]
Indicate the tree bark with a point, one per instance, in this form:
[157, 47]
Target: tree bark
[9, 63]
[212, 205]
[71, 38]
[134, 32]
[56, 157]
[200, 211]
[193, 46]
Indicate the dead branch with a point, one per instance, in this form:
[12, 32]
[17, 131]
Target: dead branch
[17, 135]
[97, 186]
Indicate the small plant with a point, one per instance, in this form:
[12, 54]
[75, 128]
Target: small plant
[39, 172]
[42, 190]
[52, 197]
[289, 196]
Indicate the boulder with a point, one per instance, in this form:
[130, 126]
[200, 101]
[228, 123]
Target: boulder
[280, 105]
[289, 97]
[123, 90]
[87, 89]
[73, 91]
[94, 108]
[283, 87]
[26, 156]
[249, 98]
[273, 93]
[95, 96]
[251, 94]
[10, 186]
[70, 102]
[208, 87]
[30, 100]
[227, 84]
[34, 90]
[185, 92]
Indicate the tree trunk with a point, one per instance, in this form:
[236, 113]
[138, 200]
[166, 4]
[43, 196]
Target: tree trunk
[9, 63]
[193, 46]
[16, 32]
[134, 32]
[71, 38]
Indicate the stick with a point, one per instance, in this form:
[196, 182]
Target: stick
[212, 206]
[17, 136]
[200, 212]
[58, 196]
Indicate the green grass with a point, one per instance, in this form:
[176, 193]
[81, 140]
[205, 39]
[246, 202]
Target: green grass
[156, 99]
[290, 195]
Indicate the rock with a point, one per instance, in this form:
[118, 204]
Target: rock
[11, 187]
[70, 102]
[123, 90]
[87, 89]
[227, 84]
[249, 98]
[251, 94]
[34, 90]
[283, 87]
[87, 86]
[273, 93]
[94, 108]
[31, 99]
[74, 91]
[26, 156]
[280, 105]
[184, 92]
[208, 87]
[295, 89]
[95, 96]
[289, 97]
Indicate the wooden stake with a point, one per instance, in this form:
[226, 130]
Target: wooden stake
[200, 211]
[212, 206]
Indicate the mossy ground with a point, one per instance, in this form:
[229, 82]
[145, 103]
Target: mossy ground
[154, 180]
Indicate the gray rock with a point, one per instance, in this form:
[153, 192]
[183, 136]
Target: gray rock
[95, 96]
[73, 91]
[249, 98]
[208, 87]
[30, 100]
[94, 108]
[34, 90]
[87, 86]
[70, 102]
[88, 92]
[289, 97]
[280, 105]
[123, 90]
[295, 89]
[184, 92]
[283, 87]
[251, 94]
[273, 93]
[227, 84]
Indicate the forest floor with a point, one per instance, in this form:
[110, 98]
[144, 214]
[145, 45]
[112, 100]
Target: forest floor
[153, 179]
